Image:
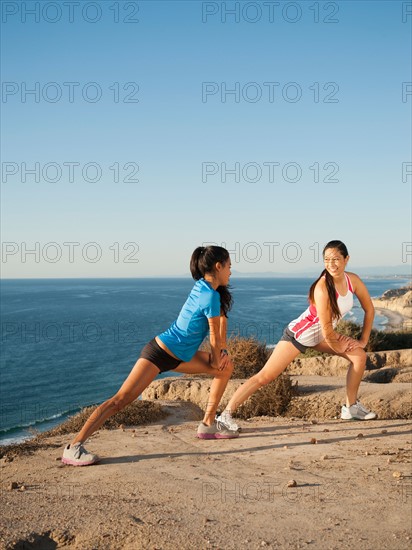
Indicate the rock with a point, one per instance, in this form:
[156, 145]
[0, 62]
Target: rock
[359, 436]
[22, 488]
[292, 483]
[313, 440]
[397, 474]
[13, 485]
[121, 427]
[324, 457]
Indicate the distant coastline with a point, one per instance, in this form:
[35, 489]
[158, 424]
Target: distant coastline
[396, 305]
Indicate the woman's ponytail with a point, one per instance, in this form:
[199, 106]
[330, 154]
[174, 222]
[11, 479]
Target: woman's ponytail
[226, 299]
[195, 269]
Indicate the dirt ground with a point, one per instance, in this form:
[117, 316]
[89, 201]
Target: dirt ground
[158, 487]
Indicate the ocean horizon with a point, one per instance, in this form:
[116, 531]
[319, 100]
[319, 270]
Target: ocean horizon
[69, 343]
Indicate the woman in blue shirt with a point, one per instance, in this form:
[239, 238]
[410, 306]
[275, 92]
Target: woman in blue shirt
[205, 311]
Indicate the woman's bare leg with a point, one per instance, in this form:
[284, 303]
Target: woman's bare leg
[139, 378]
[281, 356]
[357, 357]
[199, 364]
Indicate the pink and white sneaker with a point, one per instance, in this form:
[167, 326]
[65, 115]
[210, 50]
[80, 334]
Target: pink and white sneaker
[76, 455]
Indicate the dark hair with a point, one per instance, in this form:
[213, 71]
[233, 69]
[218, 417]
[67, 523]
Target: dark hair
[330, 285]
[204, 260]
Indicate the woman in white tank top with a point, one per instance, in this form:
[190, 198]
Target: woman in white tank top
[330, 297]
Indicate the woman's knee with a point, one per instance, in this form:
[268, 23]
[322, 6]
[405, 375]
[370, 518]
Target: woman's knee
[224, 374]
[360, 356]
[262, 378]
[121, 400]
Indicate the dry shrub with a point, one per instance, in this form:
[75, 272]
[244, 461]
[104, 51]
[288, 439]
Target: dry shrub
[271, 400]
[248, 354]
[137, 413]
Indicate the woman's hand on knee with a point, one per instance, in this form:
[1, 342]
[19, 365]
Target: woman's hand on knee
[355, 344]
[225, 363]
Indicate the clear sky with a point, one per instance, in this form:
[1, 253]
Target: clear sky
[139, 130]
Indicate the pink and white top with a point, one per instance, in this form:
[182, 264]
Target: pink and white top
[306, 328]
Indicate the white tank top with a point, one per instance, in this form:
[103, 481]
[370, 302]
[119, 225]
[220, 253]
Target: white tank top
[306, 328]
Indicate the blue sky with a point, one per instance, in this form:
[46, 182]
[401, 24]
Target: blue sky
[336, 111]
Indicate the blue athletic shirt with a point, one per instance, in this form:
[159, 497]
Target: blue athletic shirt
[185, 335]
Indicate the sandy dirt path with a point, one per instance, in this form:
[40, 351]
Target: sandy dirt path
[160, 487]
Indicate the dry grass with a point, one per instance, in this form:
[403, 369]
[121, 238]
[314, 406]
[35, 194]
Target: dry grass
[248, 354]
[271, 400]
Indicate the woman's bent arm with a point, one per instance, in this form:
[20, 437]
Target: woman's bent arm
[364, 298]
[215, 343]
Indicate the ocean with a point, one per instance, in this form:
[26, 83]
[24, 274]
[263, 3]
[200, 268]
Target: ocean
[69, 343]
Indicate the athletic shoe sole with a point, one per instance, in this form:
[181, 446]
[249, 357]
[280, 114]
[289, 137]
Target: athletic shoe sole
[215, 436]
[75, 463]
[360, 419]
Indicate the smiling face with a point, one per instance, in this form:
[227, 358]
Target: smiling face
[223, 272]
[335, 262]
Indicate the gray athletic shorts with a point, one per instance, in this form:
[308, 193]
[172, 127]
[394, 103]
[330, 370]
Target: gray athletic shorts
[288, 336]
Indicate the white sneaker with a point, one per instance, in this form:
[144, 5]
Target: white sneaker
[357, 412]
[226, 419]
[76, 455]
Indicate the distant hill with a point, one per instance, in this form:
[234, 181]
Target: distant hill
[379, 271]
